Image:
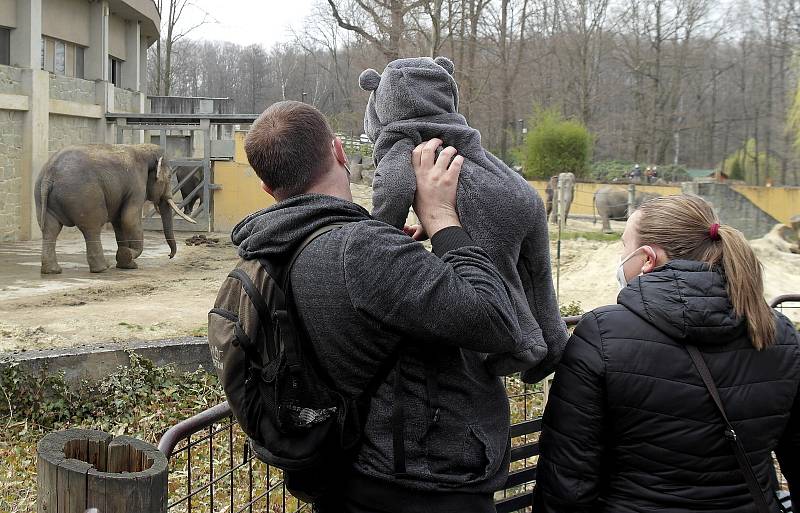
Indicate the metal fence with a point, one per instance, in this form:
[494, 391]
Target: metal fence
[211, 466]
[212, 469]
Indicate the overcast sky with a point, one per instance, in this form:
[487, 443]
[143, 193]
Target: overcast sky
[247, 22]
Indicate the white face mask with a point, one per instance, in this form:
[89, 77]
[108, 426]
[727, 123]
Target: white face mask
[621, 281]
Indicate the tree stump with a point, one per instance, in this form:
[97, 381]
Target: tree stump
[79, 469]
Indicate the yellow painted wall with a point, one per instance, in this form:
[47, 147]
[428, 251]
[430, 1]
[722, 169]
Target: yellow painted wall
[241, 194]
[239, 155]
[584, 192]
[780, 202]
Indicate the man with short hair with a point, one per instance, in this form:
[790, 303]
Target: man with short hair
[367, 293]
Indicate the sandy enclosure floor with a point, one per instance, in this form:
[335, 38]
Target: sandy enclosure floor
[167, 298]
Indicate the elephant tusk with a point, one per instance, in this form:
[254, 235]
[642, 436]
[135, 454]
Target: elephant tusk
[179, 212]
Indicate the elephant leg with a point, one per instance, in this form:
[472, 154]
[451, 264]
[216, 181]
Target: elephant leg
[131, 229]
[49, 235]
[606, 224]
[124, 254]
[94, 249]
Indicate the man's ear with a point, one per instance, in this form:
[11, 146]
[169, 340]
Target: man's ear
[338, 151]
[267, 189]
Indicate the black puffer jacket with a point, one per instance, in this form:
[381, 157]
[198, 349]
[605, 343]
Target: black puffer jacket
[630, 427]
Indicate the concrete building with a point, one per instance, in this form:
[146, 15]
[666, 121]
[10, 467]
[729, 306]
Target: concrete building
[64, 64]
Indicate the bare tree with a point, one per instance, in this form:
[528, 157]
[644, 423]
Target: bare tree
[174, 34]
[383, 23]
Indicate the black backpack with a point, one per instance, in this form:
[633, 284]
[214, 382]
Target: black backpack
[295, 418]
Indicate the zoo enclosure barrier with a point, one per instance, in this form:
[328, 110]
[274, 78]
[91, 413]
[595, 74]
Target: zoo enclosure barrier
[199, 170]
[211, 466]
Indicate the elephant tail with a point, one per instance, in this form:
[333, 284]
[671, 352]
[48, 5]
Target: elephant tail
[44, 191]
[594, 210]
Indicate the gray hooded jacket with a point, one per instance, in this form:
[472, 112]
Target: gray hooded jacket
[416, 100]
[366, 289]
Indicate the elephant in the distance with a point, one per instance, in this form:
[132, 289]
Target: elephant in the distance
[181, 172]
[90, 185]
[552, 202]
[612, 203]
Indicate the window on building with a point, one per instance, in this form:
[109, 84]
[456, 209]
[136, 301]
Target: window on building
[5, 46]
[115, 71]
[62, 57]
[79, 61]
[60, 65]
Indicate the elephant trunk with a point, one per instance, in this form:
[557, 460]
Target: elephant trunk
[166, 220]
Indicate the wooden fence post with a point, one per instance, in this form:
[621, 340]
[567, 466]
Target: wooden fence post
[79, 469]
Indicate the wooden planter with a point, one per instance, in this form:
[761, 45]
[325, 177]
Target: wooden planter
[79, 469]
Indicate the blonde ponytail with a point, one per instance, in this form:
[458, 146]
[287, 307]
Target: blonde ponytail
[682, 226]
[746, 286]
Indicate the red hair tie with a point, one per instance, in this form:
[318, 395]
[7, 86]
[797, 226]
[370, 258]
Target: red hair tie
[713, 232]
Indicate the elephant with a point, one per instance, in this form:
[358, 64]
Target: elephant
[549, 190]
[612, 203]
[189, 186]
[90, 185]
[553, 202]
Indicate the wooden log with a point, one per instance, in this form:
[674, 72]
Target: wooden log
[82, 469]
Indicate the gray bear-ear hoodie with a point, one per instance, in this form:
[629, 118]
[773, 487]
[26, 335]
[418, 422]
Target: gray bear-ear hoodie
[417, 99]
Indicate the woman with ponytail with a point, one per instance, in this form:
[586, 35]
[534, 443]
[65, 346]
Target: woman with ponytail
[630, 425]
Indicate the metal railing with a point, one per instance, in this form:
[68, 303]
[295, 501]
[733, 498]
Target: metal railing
[211, 466]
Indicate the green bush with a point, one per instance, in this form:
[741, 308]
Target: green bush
[570, 309]
[555, 145]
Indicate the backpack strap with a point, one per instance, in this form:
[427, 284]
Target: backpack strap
[257, 299]
[730, 434]
[284, 315]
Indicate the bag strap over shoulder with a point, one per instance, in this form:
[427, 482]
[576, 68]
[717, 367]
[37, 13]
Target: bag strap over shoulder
[284, 316]
[287, 271]
[730, 434]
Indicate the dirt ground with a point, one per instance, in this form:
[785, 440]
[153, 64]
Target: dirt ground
[167, 298]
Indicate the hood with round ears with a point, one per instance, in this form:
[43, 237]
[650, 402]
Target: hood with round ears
[408, 89]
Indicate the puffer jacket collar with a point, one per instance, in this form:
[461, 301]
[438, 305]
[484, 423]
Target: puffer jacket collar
[686, 300]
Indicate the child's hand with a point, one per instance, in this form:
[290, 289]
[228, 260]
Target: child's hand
[416, 232]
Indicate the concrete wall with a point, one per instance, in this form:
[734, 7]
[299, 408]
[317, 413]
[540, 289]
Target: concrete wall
[10, 80]
[72, 89]
[734, 208]
[8, 13]
[11, 125]
[116, 37]
[67, 20]
[67, 130]
[125, 101]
